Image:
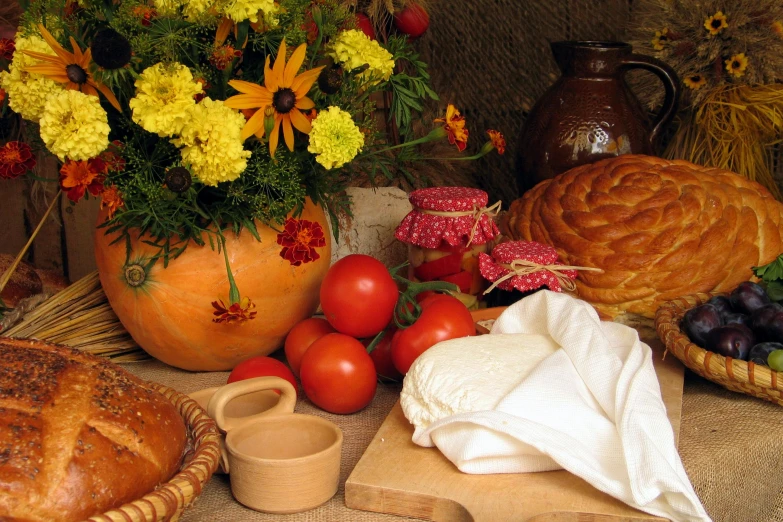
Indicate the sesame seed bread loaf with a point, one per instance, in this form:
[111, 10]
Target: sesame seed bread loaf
[78, 435]
[24, 282]
[659, 229]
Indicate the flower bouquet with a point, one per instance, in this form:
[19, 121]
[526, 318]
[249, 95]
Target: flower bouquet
[730, 60]
[229, 127]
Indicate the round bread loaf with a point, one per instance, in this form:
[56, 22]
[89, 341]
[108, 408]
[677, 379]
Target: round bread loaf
[78, 435]
[658, 229]
[24, 282]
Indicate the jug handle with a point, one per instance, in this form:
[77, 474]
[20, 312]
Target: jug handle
[671, 84]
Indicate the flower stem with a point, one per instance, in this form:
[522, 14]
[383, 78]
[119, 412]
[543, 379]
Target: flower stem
[233, 291]
[8, 273]
[434, 134]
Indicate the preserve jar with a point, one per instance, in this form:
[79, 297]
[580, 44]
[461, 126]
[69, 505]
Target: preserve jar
[446, 231]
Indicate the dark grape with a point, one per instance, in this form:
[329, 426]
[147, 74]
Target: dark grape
[733, 340]
[723, 304]
[767, 322]
[737, 318]
[747, 297]
[697, 323]
[759, 353]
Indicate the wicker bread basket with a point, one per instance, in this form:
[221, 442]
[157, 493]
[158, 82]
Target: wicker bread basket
[733, 374]
[170, 499]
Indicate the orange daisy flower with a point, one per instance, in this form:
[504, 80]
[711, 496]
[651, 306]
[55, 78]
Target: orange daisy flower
[72, 69]
[77, 177]
[111, 199]
[284, 92]
[455, 126]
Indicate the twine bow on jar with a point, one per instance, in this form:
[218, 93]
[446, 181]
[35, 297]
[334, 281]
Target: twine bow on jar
[491, 212]
[523, 267]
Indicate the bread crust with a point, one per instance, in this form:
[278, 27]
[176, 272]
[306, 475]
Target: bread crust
[659, 229]
[78, 435]
[24, 282]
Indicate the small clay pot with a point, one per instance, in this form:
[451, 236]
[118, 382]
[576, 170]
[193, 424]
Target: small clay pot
[278, 463]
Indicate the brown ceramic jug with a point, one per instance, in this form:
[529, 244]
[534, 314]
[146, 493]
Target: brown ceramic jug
[590, 113]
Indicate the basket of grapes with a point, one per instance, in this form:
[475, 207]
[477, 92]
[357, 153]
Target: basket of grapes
[734, 339]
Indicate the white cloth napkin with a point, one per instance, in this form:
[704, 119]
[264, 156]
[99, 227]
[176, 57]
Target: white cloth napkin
[593, 407]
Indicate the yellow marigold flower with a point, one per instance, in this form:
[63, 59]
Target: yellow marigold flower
[335, 139]
[191, 9]
[777, 28]
[74, 126]
[660, 39]
[716, 23]
[28, 92]
[695, 81]
[737, 64]
[211, 142]
[168, 7]
[354, 49]
[164, 94]
[241, 10]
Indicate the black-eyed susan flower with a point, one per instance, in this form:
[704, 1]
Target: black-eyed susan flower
[737, 64]
[284, 91]
[716, 23]
[660, 39]
[72, 69]
[695, 81]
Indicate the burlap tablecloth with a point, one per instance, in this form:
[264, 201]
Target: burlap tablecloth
[731, 446]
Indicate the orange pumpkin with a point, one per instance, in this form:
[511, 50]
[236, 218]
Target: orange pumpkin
[168, 311]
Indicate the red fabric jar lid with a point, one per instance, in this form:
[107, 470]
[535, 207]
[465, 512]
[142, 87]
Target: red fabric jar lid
[429, 223]
[510, 251]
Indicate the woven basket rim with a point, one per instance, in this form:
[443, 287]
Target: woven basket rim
[171, 498]
[734, 374]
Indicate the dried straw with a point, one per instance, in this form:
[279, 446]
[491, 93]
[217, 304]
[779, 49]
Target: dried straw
[734, 128]
[80, 317]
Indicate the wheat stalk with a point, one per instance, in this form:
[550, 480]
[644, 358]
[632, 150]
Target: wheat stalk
[81, 317]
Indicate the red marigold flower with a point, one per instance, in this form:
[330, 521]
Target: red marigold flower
[237, 312]
[7, 48]
[16, 158]
[455, 126]
[112, 200]
[310, 27]
[498, 141]
[76, 177]
[112, 158]
[299, 239]
[145, 14]
[223, 55]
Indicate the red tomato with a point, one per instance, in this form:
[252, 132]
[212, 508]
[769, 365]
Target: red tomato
[261, 367]
[338, 375]
[365, 24]
[358, 296]
[381, 356]
[413, 20]
[443, 317]
[301, 336]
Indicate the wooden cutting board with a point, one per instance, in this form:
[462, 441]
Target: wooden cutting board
[396, 476]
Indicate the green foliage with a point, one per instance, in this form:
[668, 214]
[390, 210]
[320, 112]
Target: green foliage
[771, 276]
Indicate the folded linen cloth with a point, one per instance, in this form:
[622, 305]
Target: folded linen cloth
[592, 407]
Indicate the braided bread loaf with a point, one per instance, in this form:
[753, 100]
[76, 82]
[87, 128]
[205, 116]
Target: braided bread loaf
[659, 229]
[78, 435]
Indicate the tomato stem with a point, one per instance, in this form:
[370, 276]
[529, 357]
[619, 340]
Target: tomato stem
[377, 339]
[408, 310]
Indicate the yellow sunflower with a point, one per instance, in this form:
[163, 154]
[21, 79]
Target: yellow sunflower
[284, 92]
[695, 81]
[72, 69]
[737, 64]
[661, 39]
[716, 23]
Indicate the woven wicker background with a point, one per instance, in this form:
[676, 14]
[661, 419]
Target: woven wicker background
[491, 58]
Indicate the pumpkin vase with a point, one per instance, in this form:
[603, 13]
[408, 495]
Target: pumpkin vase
[174, 313]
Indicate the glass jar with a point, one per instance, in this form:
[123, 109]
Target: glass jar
[446, 231]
